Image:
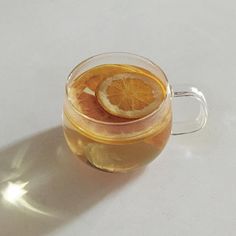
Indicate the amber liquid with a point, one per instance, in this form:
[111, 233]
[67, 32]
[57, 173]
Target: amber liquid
[107, 149]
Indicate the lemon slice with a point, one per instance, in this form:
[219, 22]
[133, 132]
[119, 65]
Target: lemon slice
[130, 95]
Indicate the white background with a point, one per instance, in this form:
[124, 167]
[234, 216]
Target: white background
[189, 190]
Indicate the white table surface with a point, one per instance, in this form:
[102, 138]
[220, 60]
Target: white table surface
[189, 190]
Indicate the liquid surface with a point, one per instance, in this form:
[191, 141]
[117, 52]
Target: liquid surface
[113, 154]
[83, 90]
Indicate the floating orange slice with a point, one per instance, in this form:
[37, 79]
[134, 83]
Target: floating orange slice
[130, 95]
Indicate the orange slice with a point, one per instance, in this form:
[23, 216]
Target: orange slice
[90, 84]
[88, 105]
[92, 78]
[130, 95]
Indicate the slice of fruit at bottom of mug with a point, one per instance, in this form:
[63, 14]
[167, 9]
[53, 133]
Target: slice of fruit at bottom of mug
[130, 95]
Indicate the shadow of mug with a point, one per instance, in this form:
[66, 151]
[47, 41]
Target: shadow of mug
[43, 186]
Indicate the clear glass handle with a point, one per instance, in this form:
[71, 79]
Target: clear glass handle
[196, 123]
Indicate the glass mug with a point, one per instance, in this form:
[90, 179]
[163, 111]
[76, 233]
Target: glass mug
[127, 145]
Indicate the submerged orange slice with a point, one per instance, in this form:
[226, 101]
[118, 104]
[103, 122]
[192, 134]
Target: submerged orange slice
[93, 77]
[130, 95]
[88, 105]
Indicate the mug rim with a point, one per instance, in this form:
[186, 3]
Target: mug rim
[145, 59]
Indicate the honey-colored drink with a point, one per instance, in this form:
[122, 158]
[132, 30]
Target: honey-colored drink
[116, 117]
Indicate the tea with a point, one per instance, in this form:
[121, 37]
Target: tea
[111, 119]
